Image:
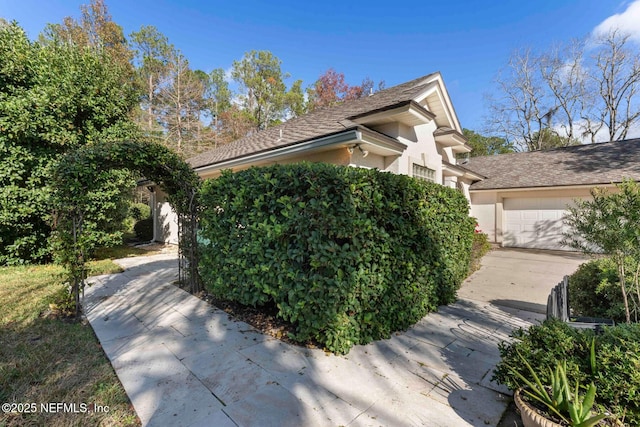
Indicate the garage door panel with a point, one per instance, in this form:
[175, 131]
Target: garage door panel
[529, 215]
[535, 222]
[550, 215]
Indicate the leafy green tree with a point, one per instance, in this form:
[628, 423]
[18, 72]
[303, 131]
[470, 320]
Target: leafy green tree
[176, 100]
[486, 145]
[548, 138]
[53, 97]
[218, 96]
[296, 104]
[218, 93]
[261, 79]
[610, 224]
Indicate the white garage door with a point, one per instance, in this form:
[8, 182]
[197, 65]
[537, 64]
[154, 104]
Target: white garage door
[535, 222]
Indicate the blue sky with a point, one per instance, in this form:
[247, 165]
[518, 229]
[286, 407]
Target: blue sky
[467, 41]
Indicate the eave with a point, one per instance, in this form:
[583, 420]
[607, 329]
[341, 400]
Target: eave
[375, 143]
[448, 137]
[409, 113]
[449, 169]
[542, 188]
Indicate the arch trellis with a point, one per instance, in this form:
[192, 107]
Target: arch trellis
[74, 178]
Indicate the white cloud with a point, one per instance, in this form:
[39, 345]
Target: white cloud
[627, 22]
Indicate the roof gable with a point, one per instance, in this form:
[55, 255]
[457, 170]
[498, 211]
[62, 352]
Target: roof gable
[435, 98]
[592, 164]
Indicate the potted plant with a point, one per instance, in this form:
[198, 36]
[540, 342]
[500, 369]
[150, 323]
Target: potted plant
[555, 404]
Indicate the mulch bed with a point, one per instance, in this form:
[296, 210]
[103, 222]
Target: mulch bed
[263, 318]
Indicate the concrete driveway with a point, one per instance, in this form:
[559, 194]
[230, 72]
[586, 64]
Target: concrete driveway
[185, 363]
[519, 278]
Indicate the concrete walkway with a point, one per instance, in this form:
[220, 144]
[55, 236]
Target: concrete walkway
[185, 363]
[520, 278]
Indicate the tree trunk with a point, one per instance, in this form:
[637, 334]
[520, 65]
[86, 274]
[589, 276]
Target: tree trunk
[637, 286]
[623, 288]
[150, 108]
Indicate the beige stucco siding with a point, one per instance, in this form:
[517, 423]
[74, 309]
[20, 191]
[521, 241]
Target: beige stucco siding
[371, 161]
[423, 152]
[337, 156]
[421, 148]
[483, 208]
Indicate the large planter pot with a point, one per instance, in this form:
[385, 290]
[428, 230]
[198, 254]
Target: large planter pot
[530, 417]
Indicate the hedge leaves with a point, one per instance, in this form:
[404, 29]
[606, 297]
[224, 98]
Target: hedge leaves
[347, 255]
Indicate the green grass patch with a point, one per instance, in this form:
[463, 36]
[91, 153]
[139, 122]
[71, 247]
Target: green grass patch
[45, 360]
[123, 251]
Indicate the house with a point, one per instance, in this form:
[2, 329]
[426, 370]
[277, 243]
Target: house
[409, 129]
[524, 196]
[519, 199]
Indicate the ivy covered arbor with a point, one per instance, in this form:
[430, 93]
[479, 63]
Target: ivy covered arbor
[75, 179]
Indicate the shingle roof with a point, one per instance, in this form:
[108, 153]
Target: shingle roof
[603, 163]
[316, 124]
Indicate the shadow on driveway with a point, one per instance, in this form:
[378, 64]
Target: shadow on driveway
[184, 362]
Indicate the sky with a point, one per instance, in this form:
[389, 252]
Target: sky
[467, 41]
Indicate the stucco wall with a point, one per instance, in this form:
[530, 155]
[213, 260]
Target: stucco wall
[166, 220]
[483, 208]
[421, 148]
[372, 161]
[337, 156]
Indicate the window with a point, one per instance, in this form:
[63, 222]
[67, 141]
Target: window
[424, 173]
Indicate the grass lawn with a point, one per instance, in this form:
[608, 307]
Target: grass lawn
[47, 360]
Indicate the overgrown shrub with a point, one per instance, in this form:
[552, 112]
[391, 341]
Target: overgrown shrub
[594, 290]
[139, 211]
[609, 223]
[53, 98]
[136, 212]
[347, 255]
[617, 376]
[144, 229]
[479, 248]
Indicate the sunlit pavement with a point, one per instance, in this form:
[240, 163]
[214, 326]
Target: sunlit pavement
[185, 363]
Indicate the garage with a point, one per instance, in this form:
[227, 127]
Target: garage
[523, 197]
[534, 222]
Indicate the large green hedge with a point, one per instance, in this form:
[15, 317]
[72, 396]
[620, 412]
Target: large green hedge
[347, 255]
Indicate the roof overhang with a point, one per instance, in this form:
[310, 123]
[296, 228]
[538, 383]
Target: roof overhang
[379, 143]
[409, 113]
[449, 169]
[542, 188]
[376, 143]
[448, 137]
